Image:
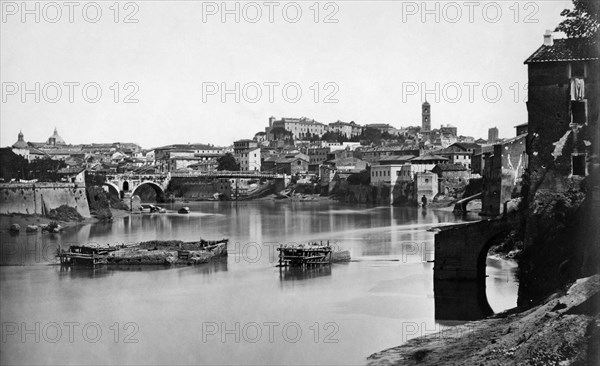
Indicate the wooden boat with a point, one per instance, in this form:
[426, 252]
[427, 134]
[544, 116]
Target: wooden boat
[304, 255]
[156, 252]
[184, 210]
[86, 254]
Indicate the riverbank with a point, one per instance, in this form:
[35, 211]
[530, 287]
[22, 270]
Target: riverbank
[6, 220]
[564, 329]
[23, 220]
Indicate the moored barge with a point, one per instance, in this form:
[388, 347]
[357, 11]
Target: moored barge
[156, 252]
[304, 255]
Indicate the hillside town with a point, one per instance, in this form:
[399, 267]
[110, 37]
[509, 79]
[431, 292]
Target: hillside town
[417, 243]
[431, 163]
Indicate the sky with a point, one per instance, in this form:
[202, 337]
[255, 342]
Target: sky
[163, 72]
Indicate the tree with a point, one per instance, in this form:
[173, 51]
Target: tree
[281, 134]
[331, 136]
[227, 162]
[581, 21]
[13, 166]
[361, 178]
[371, 135]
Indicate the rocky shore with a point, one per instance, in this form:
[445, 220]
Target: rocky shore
[564, 329]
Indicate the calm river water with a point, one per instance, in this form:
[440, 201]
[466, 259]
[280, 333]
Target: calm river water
[242, 309]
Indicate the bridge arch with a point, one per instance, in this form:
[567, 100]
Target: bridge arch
[460, 267]
[493, 239]
[157, 188]
[112, 188]
[461, 251]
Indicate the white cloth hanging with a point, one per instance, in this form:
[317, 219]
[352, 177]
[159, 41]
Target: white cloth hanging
[577, 89]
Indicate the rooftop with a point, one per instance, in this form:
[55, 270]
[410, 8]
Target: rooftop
[467, 145]
[428, 158]
[567, 49]
[450, 167]
[397, 158]
[184, 147]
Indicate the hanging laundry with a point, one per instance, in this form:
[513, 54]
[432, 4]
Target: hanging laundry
[577, 89]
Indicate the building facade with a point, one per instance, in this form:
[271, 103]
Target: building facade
[299, 127]
[563, 110]
[249, 159]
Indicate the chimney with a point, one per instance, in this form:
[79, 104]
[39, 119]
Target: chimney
[548, 41]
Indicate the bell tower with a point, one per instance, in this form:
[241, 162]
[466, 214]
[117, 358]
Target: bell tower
[425, 117]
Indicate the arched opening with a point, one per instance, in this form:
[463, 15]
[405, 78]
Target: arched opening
[113, 190]
[125, 186]
[149, 192]
[460, 301]
[496, 272]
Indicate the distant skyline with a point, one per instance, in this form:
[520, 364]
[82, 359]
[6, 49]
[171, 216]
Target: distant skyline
[373, 58]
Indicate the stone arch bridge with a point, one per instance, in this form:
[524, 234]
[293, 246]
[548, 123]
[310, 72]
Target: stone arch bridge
[128, 184]
[461, 250]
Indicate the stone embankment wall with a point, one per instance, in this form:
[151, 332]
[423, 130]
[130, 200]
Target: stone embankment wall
[40, 198]
[201, 188]
[401, 194]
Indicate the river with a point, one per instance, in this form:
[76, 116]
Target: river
[241, 309]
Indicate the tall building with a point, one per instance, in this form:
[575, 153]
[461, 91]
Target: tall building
[492, 135]
[563, 96]
[426, 117]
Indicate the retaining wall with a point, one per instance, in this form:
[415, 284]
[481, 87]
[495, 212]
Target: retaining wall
[40, 198]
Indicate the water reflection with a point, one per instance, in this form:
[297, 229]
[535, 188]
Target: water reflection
[83, 271]
[460, 301]
[212, 267]
[290, 273]
[76, 272]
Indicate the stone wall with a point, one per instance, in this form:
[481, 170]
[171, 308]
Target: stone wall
[40, 198]
[502, 175]
[400, 194]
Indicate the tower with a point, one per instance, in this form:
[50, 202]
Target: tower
[425, 117]
[492, 135]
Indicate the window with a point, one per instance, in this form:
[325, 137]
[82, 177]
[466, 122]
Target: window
[578, 164]
[578, 70]
[579, 111]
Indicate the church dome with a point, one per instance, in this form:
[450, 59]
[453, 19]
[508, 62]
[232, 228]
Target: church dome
[20, 144]
[55, 139]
